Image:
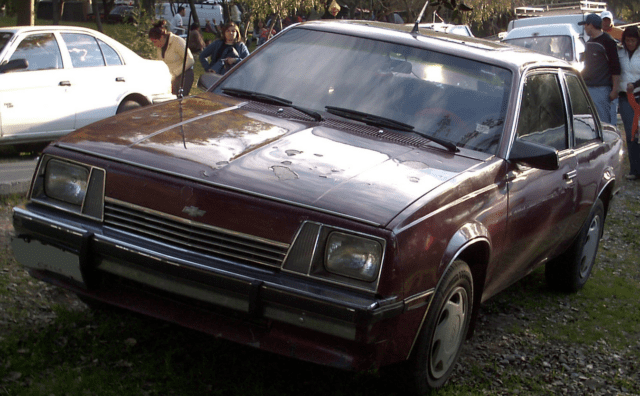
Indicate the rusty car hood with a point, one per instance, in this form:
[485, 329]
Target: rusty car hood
[218, 140]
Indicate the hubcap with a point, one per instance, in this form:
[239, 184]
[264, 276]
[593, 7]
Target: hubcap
[449, 332]
[590, 247]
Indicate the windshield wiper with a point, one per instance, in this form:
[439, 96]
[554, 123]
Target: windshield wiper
[270, 99]
[369, 119]
[384, 122]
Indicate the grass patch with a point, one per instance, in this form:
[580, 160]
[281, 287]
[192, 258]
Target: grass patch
[124, 354]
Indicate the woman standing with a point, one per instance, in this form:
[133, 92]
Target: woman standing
[171, 49]
[630, 83]
[225, 52]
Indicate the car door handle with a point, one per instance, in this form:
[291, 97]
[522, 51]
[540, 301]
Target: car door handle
[64, 83]
[570, 175]
[119, 79]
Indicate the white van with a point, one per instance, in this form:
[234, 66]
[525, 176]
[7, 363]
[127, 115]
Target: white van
[570, 12]
[560, 40]
[209, 10]
[542, 21]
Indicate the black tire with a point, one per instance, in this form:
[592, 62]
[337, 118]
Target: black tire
[570, 271]
[444, 330]
[128, 105]
[96, 305]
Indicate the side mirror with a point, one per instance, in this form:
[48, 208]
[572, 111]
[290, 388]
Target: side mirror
[535, 155]
[16, 64]
[208, 80]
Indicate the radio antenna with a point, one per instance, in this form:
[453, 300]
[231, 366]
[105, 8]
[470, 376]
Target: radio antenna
[184, 60]
[415, 27]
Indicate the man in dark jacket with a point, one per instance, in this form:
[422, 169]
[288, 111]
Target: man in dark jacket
[601, 70]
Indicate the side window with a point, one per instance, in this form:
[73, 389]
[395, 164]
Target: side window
[110, 55]
[542, 118]
[83, 50]
[584, 123]
[40, 50]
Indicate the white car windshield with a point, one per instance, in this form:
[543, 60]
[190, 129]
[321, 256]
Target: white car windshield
[558, 46]
[451, 98]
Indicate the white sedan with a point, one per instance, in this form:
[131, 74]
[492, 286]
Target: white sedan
[55, 79]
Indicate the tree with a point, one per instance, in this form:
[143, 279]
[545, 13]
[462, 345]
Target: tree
[96, 12]
[194, 14]
[55, 10]
[25, 13]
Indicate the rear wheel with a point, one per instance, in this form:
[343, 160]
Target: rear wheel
[444, 331]
[128, 105]
[572, 269]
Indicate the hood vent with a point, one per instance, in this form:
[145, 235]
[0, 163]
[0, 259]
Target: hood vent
[347, 126]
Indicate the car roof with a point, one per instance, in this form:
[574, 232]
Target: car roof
[481, 50]
[20, 29]
[129, 55]
[558, 29]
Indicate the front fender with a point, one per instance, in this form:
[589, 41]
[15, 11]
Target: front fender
[467, 234]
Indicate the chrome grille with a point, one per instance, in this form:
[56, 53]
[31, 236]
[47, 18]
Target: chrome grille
[192, 236]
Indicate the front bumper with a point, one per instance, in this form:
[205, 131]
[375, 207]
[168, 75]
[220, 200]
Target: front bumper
[258, 307]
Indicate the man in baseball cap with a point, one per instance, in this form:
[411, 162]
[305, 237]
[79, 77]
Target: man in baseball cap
[601, 67]
[607, 25]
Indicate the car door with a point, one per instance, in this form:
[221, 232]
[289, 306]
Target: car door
[36, 102]
[99, 77]
[588, 145]
[541, 202]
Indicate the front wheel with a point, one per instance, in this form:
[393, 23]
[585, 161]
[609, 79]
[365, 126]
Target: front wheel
[128, 105]
[570, 271]
[445, 329]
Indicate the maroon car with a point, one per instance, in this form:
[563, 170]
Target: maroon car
[347, 195]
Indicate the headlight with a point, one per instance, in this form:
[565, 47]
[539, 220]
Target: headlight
[353, 256]
[66, 182]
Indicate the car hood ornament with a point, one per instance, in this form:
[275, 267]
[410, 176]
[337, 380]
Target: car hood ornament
[193, 211]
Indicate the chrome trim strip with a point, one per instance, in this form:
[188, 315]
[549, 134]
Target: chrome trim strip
[65, 227]
[413, 302]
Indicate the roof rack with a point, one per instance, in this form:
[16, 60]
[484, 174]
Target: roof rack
[571, 7]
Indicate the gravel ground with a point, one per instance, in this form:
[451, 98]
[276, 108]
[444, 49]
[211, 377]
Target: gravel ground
[496, 361]
[566, 368]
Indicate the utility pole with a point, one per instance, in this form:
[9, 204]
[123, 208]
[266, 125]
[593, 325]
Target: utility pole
[25, 11]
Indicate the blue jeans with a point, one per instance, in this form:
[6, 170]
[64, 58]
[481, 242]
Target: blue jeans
[614, 111]
[600, 97]
[626, 113]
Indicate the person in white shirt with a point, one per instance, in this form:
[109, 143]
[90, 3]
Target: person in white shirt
[176, 23]
[171, 49]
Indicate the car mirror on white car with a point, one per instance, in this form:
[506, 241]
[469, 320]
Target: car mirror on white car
[207, 80]
[15, 64]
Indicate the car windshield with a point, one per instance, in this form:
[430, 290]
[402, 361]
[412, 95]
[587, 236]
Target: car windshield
[454, 99]
[558, 46]
[4, 39]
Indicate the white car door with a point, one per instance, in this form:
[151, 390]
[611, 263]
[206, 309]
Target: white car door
[36, 102]
[99, 79]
